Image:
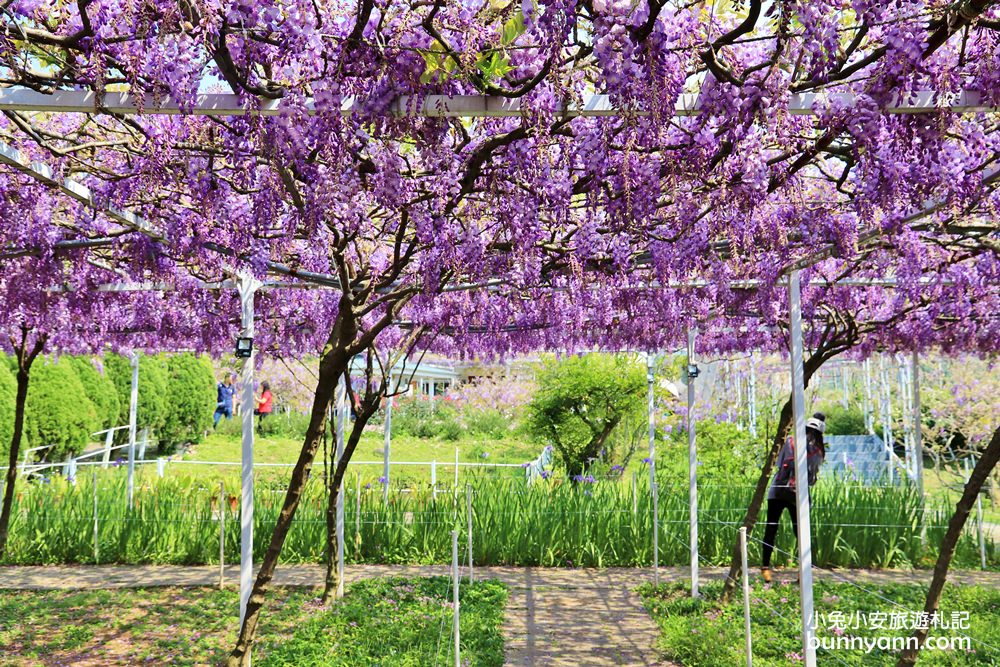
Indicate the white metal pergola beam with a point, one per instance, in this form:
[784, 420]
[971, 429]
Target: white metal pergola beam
[23, 99]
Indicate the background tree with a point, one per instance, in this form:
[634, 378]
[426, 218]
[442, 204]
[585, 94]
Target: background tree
[579, 403]
[58, 412]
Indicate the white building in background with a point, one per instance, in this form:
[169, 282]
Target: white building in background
[435, 376]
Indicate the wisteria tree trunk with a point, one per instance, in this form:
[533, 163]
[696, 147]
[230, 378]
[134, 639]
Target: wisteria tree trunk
[25, 358]
[987, 463]
[363, 415]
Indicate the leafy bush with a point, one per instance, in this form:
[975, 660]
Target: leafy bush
[8, 394]
[724, 451]
[57, 410]
[422, 419]
[488, 423]
[191, 400]
[844, 421]
[100, 390]
[579, 403]
[152, 407]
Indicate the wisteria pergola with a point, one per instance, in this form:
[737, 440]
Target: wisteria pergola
[515, 170]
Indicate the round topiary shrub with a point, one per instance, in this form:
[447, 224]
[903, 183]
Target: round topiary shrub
[100, 390]
[191, 398]
[57, 411]
[152, 406]
[8, 394]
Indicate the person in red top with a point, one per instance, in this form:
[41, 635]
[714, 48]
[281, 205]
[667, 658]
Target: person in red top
[265, 404]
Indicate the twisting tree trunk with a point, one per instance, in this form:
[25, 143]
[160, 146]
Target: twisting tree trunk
[25, 357]
[364, 413]
[833, 343]
[985, 466]
[333, 364]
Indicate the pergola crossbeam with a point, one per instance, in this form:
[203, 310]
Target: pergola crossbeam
[446, 106]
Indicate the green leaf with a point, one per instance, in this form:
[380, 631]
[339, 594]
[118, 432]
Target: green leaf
[513, 29]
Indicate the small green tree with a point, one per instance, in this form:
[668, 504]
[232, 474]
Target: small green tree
[57, 410]
[8, 394]
[152, 406]
[844, 421]
[100, 390]
[579, 403]
[191, 401]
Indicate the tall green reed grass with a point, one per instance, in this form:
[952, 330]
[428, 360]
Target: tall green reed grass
[553, 523]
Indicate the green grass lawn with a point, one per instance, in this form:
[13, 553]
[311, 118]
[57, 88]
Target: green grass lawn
[703, 634]
[947, 484]
[225, 445]
[388, 622]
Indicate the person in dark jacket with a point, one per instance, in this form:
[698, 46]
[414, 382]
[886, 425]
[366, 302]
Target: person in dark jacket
[781, 495]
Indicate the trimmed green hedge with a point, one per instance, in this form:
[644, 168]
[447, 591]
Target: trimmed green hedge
[57, 410]
[100, 390]
[152, 408]
[191, 399]
[8, 394]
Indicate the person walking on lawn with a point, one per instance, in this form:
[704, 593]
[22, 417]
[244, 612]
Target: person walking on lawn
[265, 405]
[224, 399]
[781, 495]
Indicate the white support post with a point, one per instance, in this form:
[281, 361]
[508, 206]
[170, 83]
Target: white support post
[434, 477]
[108, 441]
[752, 397]
[222, 533]
[846, 398]
[132, 410]
[869, 416]
[454, 577]
[96, 545]
[71, 471]
[343, 415]
[161, 465]
[918, 435]
[692, 463]
[247, 288]
[468, 511]
[801, 472]
[746, 596]
[652, 469]
[387, 445]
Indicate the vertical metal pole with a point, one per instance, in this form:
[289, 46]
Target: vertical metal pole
[386, 446]
[801, 472]
[454, 577]
[867, 407]
[222, 534]
[904, 413]
[342, 417]
[635, 494]
[434, 475]
[746, 596]
[247, 289]
[846, 399]
[753, 398]
[918, 435]
[143, 441]
[357, 515]
[132, 409]
[96, 547]
[468, 511]
[108, 441]
[652, 470]
[161, 465]
[692, 467]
